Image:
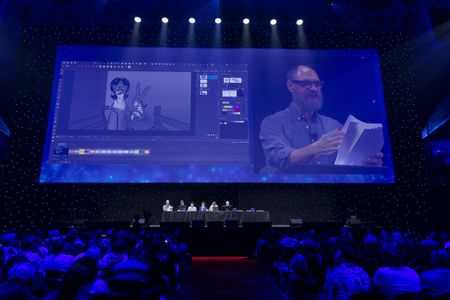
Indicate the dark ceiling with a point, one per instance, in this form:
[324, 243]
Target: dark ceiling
[335, 14]
[357, 13]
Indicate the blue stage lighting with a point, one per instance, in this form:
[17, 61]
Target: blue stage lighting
[246, 21]
[218, 20]
[137, 19]
[165, 20]
[273, 22]
[191, 20]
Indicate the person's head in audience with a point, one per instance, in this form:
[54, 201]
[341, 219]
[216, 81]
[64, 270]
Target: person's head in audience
[30, 243]
[167, 202]
[53, 233]
[398, 237]
[347, 254]
[82, 272]
[346, 234]
[24, 272]
[15, 260]
[385, 235]
[440, 259]
[181, 202]
[192, 204]
[298, 264]
[94, 250]
[118, 246]
[56, 246]
[227, 203]
[392, 256]
[370, 244]
[308, 246]
[370, 239]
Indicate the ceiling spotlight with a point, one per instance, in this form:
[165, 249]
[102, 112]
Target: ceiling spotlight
[218, 20]
[165, 20]
[191, 20]
[246, 21]
[137, 19]
[273, 22]
[299, 22]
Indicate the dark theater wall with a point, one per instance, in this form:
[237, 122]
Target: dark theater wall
[27, 203]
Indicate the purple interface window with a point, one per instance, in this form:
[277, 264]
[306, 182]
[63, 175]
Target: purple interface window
[162, 113]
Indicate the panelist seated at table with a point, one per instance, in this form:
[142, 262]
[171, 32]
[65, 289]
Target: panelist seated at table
[181, 207]
[227, 206]
[214, 206]
[203, 207]
[167, 206]
[192, 207]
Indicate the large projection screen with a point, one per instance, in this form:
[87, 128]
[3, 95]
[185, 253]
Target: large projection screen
[125, 114]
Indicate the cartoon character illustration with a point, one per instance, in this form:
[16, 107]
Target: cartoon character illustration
[138, 103]
[117, 114]
[141, 116]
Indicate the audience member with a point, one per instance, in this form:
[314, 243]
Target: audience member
[81, 282]
[57, 258]
[395, 278]
[437, 281]
[116, 255]
[347, 278]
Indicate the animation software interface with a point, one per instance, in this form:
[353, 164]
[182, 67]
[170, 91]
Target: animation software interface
[144, 112]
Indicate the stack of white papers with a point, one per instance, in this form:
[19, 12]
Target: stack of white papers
[361, 141]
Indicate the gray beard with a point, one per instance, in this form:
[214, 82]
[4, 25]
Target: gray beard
[315, 107]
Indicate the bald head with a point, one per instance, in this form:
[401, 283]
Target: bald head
[299, 71]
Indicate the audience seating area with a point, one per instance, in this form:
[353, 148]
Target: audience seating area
[356, 264]
[113, 264]
[149, 264]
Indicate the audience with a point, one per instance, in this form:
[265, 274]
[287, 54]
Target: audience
[83, 265]
[380, 265]
[330, 264]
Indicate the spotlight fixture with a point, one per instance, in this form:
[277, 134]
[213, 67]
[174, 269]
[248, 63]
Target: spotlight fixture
[218, 20]
[246, 21]
[191, 20]
[137, 19]
[165, 20]
[273, 22]
[299, 22]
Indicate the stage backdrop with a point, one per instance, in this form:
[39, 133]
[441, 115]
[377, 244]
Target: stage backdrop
[29, 203]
